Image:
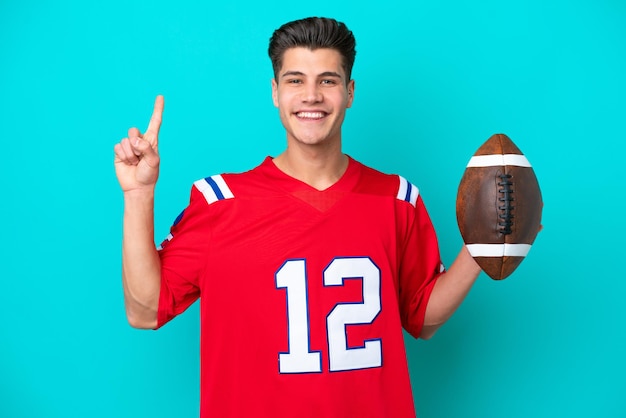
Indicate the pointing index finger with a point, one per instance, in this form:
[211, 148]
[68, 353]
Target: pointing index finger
[157, 115]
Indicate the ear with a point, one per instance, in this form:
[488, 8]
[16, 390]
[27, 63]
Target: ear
[351, 87]
[275, 92]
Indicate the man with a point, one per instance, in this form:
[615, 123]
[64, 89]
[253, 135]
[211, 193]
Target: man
[308, 266]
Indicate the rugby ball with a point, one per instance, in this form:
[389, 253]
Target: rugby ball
[499, 206]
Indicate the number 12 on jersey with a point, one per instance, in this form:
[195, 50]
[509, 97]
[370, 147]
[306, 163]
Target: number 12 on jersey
[292, 276]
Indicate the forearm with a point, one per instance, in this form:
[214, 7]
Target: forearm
[141, 267]
[449, 292]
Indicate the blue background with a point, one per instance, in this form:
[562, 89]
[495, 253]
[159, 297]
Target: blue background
[434, 80]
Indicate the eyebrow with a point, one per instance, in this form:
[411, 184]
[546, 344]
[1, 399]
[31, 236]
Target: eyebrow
[300, 73]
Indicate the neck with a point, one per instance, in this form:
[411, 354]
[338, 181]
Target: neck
[319, 169]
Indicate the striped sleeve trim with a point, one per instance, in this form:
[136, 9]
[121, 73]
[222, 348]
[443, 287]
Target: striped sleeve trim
[167, 239]
[407, 191]
[214, 188]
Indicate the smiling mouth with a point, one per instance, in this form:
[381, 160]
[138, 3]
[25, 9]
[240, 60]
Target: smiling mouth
[311, 115]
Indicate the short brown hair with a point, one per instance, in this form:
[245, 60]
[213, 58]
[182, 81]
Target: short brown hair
[313, 33]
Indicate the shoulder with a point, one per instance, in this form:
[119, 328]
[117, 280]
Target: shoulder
[226, 186]
[213, 188]
[393, 185]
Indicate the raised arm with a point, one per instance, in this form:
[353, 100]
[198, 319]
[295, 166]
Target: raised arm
[449, 291]
[137, 169]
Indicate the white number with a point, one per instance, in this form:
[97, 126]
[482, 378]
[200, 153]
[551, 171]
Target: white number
[341, 357]
[300, 359]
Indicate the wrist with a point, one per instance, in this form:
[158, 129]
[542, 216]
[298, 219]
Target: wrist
[140, 194]
[139, 202]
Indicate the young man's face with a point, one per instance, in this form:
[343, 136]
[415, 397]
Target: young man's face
[312, 95]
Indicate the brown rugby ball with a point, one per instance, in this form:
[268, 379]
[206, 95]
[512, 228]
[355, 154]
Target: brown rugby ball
[499, 206]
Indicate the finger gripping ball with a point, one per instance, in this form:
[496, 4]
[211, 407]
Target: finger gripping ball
[499, 206]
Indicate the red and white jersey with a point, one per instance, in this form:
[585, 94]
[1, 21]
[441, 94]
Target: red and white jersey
[304, 293]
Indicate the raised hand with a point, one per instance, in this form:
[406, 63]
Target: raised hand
[137, 156]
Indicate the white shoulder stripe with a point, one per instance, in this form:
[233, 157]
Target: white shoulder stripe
[407, 191]
[221, 184]
[214, 188]
[498, 250]
[498, 160]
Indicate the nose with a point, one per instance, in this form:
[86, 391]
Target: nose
[312, 93]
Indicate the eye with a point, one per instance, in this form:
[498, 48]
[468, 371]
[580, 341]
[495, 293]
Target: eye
[294, 81]
[329, 82]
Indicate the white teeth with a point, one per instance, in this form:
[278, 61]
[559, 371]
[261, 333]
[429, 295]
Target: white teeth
[310, 115]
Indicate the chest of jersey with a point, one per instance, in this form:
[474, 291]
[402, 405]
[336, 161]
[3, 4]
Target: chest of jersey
[309, 297]
[311, 283]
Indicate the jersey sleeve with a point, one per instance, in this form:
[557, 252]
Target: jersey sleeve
[420, 266]
[183, 255]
